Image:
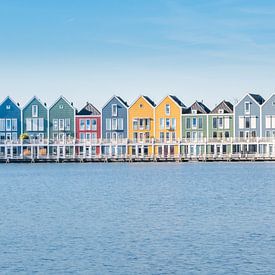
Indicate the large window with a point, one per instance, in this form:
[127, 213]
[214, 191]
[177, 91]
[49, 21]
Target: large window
[167, 123]
[161, 123]
[247, 122]
[14, 124]
[220, 119]
[41, 124]
[226, 123]
[214, 122]
[28, 124]
[241, 122]
[247, 108]
[2, 124]
[108, 124]
[147, 123]
[67, 124]
[253, 122]
[55, 124]
[173, 122]
[82, 124]
[8, 124]
[114, 124]
[34, 111]
[188, 123]
[61, 125]
[194, 122]
[135, 124]
[35, 124]
[200, 122]
[94, 124]
[88, 124]
[120, 123]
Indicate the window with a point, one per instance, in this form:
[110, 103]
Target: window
[147, 123]
[200, 122]
[82, 124]
[188, 135]
[214, 122]
[173, 120]
[215, 135]
[67, 124]
[41, 124]
[34, 111]
[253, 134]
[114, 124]
[200, 135]
[141, 124]
[8, 107]
[161, 123]
[273, 121]
[14, 124]
[253, 122]
[194, 135]
[226, 123]
[135, 124]
[35, 124]
[108, 135]
[2, 124]
[8, 124]
[82, 136]
[173, 136]
[94, 124]
[94, 137]
[114, 110]
[220, 119]
[108, 124]
[61, 107]
[161, 136]
[188, 123]
[55, 124]
[194, 122]
[135, 136]
[167, 109]
[61, 125]
[247, 122]
[167, 123]
[247, 108]
[88, 124]
[268, 122]
[241, 134]
[241, 122]
[120, 124]
[28, 124]
[267, 134]
[167, 136]
[226, 134]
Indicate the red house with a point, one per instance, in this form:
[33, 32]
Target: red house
[88, 130]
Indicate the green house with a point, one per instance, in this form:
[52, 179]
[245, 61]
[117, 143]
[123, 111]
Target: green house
[35, 120]
[62, 120]
[194, 129]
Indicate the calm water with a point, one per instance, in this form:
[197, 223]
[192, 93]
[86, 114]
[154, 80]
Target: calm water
[137, 218]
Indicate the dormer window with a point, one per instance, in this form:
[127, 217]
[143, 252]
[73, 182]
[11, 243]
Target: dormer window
[194, 112]
[167, 109]
[114, 110]
[247, 108]
[220, 111]
[34, 111]
[61, 107]
[8, 107]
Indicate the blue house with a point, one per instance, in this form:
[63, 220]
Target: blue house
[268, 118]
[10, 120]
[248, 116]
[114, 126]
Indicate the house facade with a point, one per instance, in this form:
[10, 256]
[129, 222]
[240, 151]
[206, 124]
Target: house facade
[268, 118]
[88, 128]
[247, 114]
[35, 120]
[220, 128]
[141, 124]
[114, 126]
[62, 120]
[194, 128]
[10, 121]
[168, 125]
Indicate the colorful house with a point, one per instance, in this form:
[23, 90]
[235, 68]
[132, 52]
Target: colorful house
[35, 120]
[62, 120]
[88, 128]
[168, 125]
[220, 128]
[10, 120]
[141, 124]
[194, 128]
[115, 127]
[248, 116]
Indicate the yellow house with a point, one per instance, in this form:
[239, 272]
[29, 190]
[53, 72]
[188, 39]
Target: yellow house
[168, 115]
[141, 127]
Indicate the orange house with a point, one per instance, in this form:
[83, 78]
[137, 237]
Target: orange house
[168, 115]
[141, 127]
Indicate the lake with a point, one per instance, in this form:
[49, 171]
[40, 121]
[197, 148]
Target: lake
[139, 218]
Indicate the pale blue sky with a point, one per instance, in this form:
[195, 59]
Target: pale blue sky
[90, 50]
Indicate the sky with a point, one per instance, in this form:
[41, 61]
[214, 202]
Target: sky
[89, 50]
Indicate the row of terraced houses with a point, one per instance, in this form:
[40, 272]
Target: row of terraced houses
[142, 128]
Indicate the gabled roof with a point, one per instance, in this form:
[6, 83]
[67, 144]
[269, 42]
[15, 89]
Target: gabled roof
[88, 110]
[146, 98]
[197, 105]
[268, 99]
[33, 98]
[62, 97]
[258, 98]
[224, 105]
[173, 98]
[119, 99]
[9, 98]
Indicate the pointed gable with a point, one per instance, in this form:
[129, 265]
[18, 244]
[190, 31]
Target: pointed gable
[197, 106]
[88, 110]
[226, 106]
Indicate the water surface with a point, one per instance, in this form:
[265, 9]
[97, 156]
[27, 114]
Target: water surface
[196, 218]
